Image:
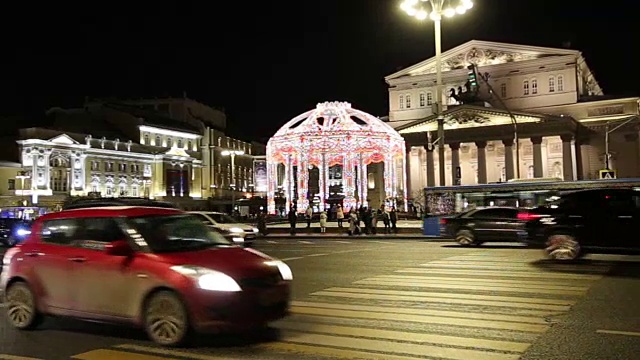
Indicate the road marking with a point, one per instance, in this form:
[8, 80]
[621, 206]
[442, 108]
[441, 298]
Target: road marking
[16, 357]
[175, 354]
[396, 348]
[446, 298]
[106, 354]
[522, 268]
[343, 242]
[305, 242]
[502, 274]
[405, 336]
[414, 311]
[486, 287]
[333, 353]
[381, 242]
[436, 279]
[272, 242]
[616, 332]
[424, 319]
[313, 255]
[292, 258]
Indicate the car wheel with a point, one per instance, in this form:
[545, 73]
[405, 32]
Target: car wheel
[465, 237]
[563, 247]
[166, 320]
[22, 311]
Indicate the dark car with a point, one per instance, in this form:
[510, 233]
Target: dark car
[477, 226]
[13, 231]
[595, 221]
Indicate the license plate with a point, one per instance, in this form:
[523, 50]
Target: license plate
[271, 297]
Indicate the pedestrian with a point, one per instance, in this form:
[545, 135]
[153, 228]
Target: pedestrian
[293, 218]
[393, 217]
[353, 223]
[340, 215]
[309, 216]
[323, 222]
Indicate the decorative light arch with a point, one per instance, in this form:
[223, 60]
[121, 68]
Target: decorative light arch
[335, 134]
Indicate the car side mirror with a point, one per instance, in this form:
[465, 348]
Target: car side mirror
[118, 248]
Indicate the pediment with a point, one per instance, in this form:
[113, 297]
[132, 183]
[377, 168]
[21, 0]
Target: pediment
[175, 151]
[63, 139]
[481, 53]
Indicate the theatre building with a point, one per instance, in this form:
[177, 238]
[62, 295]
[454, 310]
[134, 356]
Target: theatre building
[566, 126]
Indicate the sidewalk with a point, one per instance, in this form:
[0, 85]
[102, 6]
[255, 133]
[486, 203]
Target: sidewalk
[302, 235]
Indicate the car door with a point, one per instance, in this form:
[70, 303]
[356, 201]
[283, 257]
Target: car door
[491, 224]
[622, 227]
[49, 258]
[105, 284]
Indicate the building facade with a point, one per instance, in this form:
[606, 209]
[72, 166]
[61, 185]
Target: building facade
[171, 149]
[566, 127]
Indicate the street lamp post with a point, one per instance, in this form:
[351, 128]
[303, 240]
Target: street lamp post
[233, 154]
[439, 8]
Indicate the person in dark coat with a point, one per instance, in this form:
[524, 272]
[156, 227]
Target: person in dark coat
[293, 218]
[393, 217]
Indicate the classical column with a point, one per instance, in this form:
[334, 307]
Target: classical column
[431, 176]
[482, 161]
[405, 182]
[538, 171]
[508, 159]
[567, 158]
[303, 183]
[455, 163]
[348, 182]
[288, 188]
[362, 175]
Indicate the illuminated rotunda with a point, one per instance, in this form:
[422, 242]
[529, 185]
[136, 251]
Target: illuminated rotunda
[321, 158]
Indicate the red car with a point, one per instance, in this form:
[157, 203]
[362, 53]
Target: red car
[158, 268]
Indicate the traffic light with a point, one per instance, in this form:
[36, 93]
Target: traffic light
[473, 77]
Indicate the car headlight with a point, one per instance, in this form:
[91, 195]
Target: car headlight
[23, 232]
[255, 230]
[238, 240]
[236, 230]
[208, 279]
[285, 270]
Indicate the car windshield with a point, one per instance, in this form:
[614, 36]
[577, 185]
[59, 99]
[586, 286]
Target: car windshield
[222, 218]
[173, 233]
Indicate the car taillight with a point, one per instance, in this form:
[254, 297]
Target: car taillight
[443, 221]
[524, 216]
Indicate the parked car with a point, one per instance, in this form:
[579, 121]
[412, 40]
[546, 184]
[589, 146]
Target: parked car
[158, 268]
[239, 233]
[588, 221]
[14, 231]
[480, 225]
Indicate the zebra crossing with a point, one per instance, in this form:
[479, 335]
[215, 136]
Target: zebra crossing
[483, 306]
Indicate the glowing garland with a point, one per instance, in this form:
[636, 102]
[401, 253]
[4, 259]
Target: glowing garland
[335, 134]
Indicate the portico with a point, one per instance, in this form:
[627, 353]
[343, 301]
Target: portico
[480, 140]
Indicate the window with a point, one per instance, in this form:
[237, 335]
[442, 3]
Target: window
[401, 102]
[11, 184]
[109, 190]
[530, 172]
[169, 142]
[108, 166]
[556, 170]
[205, 220]
[134, 191]
[158, 140]
[59, 232]
[123, 190]
[122, 167]
[503, 90]
[534, 86]
[98, 230]
[560, 83]
[95, 166]
[499, 213]
[429, 99]
[190, 145]
[552, 84]
[408, 100]
[146, 139]
[422, 100]
[525, 87]
[179, 144]
[94, 188]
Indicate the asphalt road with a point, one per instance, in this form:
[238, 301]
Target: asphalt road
[395, 299]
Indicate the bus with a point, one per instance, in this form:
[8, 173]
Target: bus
[449, 200]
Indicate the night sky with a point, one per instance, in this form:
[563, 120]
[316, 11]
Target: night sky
[267, 61]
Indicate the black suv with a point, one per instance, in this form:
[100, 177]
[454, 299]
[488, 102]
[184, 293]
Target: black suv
[596, 221]
[13, 231]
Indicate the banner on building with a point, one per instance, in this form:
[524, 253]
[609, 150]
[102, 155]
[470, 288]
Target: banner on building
[260, 175]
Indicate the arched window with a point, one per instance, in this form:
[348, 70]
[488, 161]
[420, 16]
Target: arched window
[429, 99]
[169, 142]
[556, 170]
[408, 100]
[423, 100]
[534, 86]
[146, 139]
[158, 140]
[525, 87]
[401, 102]
[560, 83]
[530, 172]
[503, 174]
[179, 143]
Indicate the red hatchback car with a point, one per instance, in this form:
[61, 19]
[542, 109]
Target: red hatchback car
[161, 269]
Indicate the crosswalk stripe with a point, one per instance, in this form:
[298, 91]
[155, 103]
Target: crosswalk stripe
[446, 300]
[413, 311]
[16, 357]
[425, 319]
[381, 242]
[566, 284]
[343, 242]
[502, 274]
[506, 288]
[174, 354]
[406, 336]
[106, 354]
[311, 350]
[272, 241]
[421, 294]
[494, 266]
[397, 348]
[305, 242]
